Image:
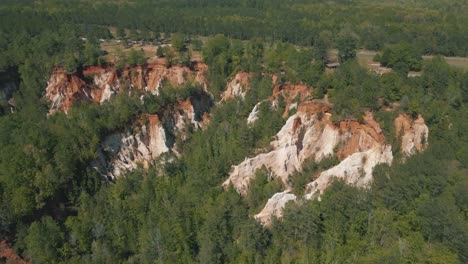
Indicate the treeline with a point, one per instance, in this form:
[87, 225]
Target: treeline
[432, 27]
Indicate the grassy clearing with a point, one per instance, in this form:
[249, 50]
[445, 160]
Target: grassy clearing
[365, 58]
[111, 47]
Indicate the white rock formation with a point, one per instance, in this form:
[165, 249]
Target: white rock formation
[274, 207]
[109, 82]
[151, 136]
[302, 137]
[157, 140]
[362, 148]
[253, 116]
[292, 106]
[128, 150]
[355, 170]
[414, 134]
[238, 86]
[183, 115]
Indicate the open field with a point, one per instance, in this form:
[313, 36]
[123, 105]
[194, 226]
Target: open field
[365, 58]
[459, 62]
[111, 47]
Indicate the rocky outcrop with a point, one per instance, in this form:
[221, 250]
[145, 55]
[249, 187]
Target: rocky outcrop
[150, 137]
[288, 93]
[106, 81]
[99, 84]
[274, 207]
[310, 134]
[9, 255]
[63, 90]
[413, 132]
[121, 152]
[355, 170]
[191, 113]
[253, 116]
[362, 148]
[238, 86]
[302, 137]
[7, 102]
[292, 94]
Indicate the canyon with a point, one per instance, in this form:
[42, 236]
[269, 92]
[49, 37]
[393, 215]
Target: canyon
[310, 134]
[100, 84]
[149, 136]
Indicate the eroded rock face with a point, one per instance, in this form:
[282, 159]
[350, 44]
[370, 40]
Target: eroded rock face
[414, 134]
[238, 86]
[99, 84]
[6, 95]
[8, 254]
[362, 148]
[191, 113]
[150, 137]
[292, 94]
[302, 137]
[121, 152]
[355, 170]
[107, 82]
[274, 207]
[310, 134]
[63, 90]
[253, 116]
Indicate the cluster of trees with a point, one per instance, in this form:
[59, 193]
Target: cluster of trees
[132, 58]
[402, 57]
[228, 56]
[346, 44]
[29, 37]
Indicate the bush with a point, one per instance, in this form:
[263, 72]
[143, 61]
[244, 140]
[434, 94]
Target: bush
[178, 42]
[402, 58]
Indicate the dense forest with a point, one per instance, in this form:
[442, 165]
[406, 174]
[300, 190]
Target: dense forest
[55, 208]
[434, 27]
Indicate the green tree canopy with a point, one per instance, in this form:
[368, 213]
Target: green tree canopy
[178, 42]
[346, 44]
[402, 57]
